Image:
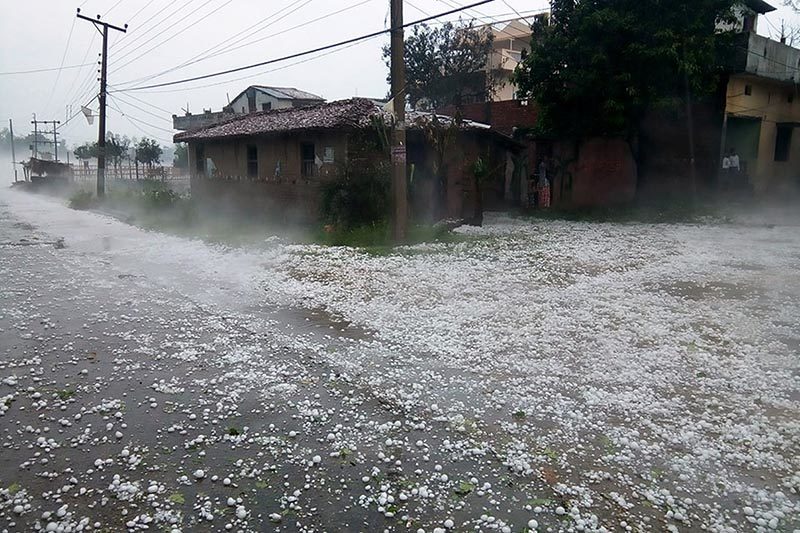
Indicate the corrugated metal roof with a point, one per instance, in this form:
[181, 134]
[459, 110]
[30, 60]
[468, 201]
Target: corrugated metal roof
[759, 6]
[287, 93]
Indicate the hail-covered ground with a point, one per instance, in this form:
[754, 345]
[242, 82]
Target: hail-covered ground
[537, 376]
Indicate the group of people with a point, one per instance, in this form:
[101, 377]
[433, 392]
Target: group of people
[731, 163]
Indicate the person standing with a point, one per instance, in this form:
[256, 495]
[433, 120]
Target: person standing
[726, 170]
[543, 186]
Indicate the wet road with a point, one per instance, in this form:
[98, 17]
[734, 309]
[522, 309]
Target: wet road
[156, 382]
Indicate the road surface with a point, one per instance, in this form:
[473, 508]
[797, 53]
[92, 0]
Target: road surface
[548, 376]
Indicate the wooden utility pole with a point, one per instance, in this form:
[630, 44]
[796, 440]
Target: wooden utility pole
[13, 150]
[101, 135]
[399, 153]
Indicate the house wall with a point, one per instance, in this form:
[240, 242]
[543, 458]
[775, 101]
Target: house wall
[769, 103]
[240, 105]
[600, 172]
[279, 186]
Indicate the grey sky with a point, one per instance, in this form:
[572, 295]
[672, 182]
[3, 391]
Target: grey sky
[166, 33]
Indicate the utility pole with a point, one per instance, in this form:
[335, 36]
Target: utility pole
[35, 137]
[13, 150]
[399, 153]
[55, 140]
[101, 135]
[45, 132]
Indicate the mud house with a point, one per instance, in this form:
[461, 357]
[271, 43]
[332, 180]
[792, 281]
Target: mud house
[275, 162]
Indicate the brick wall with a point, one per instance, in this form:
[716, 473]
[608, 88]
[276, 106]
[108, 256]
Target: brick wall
[599, 172]
[503, 116]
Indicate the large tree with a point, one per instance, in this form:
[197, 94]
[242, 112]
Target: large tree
[86, 151]
[601, 64]
[117, 148]
[149, 152]
[447, 64]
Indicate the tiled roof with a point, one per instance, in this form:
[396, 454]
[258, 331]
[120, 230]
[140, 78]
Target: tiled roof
[344, 114]
[350, 114]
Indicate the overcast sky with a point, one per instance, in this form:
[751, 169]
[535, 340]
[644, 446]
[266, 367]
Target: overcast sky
[165, 34]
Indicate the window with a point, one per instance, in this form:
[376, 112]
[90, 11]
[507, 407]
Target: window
[329, 155]
[308, 160]
[783, 140]
[252, 161]
[200, 158]
[266, 106]
[748, 90]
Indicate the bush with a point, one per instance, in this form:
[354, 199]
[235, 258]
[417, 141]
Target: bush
[358, 196]
[81, 200]
[157, 195]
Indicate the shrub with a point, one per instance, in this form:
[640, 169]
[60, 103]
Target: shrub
[358, 196]
[81, 200]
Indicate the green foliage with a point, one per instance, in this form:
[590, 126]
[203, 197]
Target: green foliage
[86, 151]
[176, 498]
[602, 64]
[445, 64]
[148, 152]
[181, 157]
[81, 200]
[359, 193]
[117, 148]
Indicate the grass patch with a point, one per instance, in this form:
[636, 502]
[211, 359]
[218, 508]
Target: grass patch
[464, 488]
[65, 394]
[13, 489]
[376, 239]
[177, 498]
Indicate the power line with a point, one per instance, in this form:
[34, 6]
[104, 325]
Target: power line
[261, 73]
[126, 102]
[78, 74]
[112, 8]
[307, 52]
[61, 67]
[204, 55]
[232, 46]
[287, 30]
[134, 122]
[87, 104]
[512, 8]
[172, 36]
[129, 42]
[38, 70]
[120, 55]
[145, 102]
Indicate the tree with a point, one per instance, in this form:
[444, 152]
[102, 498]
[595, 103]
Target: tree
[602, 64]
[446, 64]
[148, 152]
[181, 158]
[86, 151]
[117, 148]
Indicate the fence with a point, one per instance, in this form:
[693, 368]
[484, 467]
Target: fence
[130, 177]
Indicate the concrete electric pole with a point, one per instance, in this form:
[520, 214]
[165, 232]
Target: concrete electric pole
[13, 150]
[399, 152]
[101, 136]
